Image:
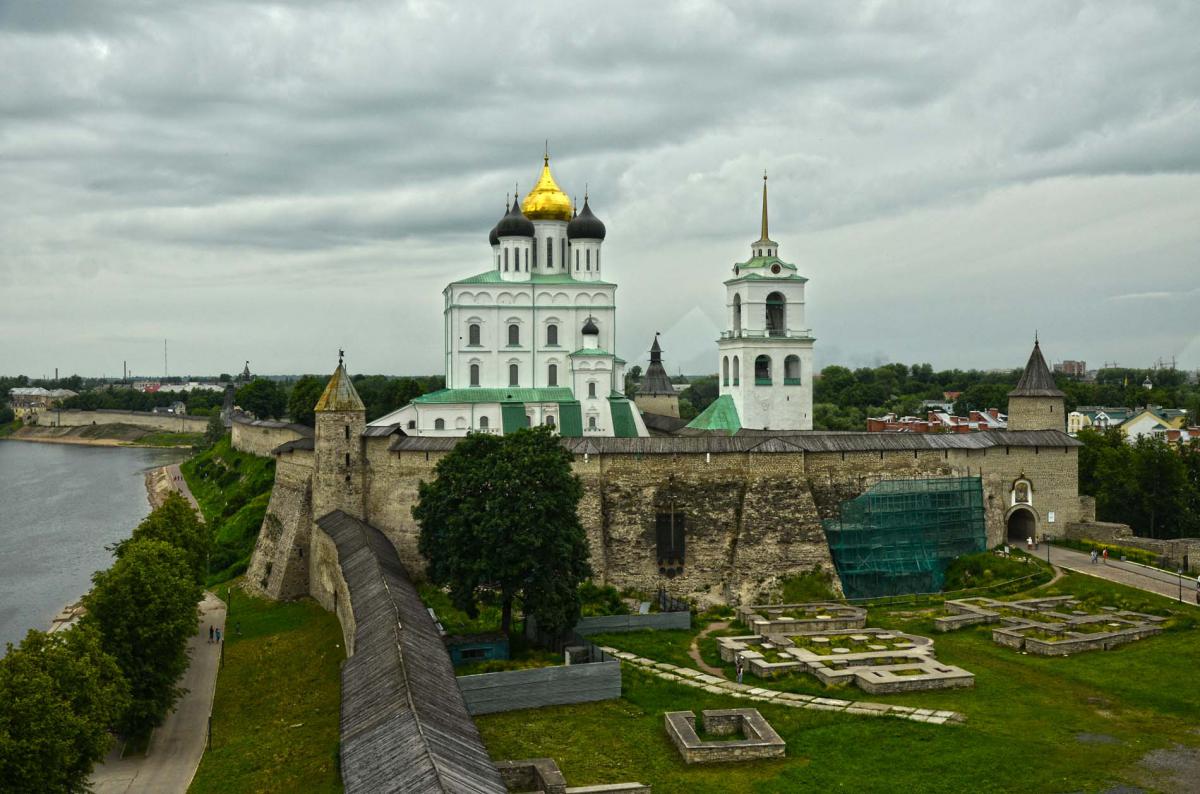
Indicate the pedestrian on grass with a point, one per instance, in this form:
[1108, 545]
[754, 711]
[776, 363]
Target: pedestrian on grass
[740, 666]
[210, 633]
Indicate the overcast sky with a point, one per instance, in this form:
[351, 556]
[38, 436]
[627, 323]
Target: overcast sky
[273, 181]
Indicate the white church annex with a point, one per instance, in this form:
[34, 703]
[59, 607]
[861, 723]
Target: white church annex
[529, 342]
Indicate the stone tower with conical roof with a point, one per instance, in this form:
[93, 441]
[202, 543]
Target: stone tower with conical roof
[1036, 403]
[339, 472]
[655, 393]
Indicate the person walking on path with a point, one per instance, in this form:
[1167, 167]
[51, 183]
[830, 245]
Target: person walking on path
[218, 636]
[740, 666]
[1106, 556]
[1093, 556]
[210, 633]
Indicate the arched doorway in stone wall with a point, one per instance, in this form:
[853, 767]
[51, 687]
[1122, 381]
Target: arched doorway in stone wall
[1022, 524]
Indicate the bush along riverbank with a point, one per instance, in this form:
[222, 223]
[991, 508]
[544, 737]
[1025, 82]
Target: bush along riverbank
[232, 489]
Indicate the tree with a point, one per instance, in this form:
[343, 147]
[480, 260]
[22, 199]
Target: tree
[6, 415]
[702, 392]
[175, 522]
[263, 398]
[59, 696]
[303, 399]
[215, 431]
[145, 609]
[501, 515]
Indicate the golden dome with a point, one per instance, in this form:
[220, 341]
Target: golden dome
[547, 202]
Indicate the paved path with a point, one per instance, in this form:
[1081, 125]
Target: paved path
[1151, 580]
[180, 484]
[178, 744]
[694, 648]
[719, 686]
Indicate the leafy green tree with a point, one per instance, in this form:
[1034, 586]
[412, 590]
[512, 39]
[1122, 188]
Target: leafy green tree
[263, 398]
[175, 522]
[59, 696]
[303, 399]
[702, 392]
[6, 415]
[145, 609]
[215, 430]
[501, 516]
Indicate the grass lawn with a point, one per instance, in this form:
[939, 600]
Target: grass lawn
[1079, 723]
[275, 717]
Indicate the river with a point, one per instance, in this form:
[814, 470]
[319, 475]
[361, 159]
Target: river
[60, 505]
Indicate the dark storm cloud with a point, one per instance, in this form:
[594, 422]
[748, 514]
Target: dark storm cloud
[242, 151]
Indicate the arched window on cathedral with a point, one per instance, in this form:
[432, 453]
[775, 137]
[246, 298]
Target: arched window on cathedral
[534, 247]
[791, 371]
[473, 334]
[591, 423]
[588, 258]
[597, 260]
[725, 371]
[550, 421]
[439, 424]
[474, 374]
[737, 315]
[505, 260]
[737, 370]
[514, 335]
[776, 315]
[483, 423]
[412, 424]
[576, 260]
[552, 335]
[513, 373]
[552, 375]
[549, 253]
[762, 371]
[564, 253]
[592, 389]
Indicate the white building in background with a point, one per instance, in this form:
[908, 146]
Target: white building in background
[531, 340]
[765, 356]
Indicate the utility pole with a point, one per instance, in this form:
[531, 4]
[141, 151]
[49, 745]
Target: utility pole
[164, 359]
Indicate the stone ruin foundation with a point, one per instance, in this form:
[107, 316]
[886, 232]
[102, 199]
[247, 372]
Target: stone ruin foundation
[757, 738]
[877, 661]
[1058, 626]
[784, 619]
[542, 775]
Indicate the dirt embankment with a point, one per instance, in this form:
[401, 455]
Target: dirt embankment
[114, 435]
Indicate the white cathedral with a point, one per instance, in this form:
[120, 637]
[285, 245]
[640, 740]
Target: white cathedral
[531, 341]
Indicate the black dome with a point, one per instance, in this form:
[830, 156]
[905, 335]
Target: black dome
[514, 224]
[590, 329]
[585, 225]
[493, 237]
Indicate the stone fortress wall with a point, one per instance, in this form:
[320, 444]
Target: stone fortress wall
[752, 507]
[171, 423]
[261, 436]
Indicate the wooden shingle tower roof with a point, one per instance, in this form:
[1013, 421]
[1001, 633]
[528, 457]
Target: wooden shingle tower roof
[1036, 380]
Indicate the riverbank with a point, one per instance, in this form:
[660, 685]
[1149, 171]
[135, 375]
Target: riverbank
[111, 435]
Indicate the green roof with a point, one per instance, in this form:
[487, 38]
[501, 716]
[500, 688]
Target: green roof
[583, 351]
[721, 414]
[758, 267]
[570, 420]
[482, 395]
[622, 416]
[513, 417]
[493, 277]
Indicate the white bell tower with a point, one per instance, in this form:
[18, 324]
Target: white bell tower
[766, 352]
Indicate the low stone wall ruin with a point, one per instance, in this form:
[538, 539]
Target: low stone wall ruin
[759, 739]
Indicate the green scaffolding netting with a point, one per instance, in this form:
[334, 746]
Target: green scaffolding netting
[899, 536]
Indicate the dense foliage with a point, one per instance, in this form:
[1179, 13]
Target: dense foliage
[303, 399]
[233, 489]
[175, 522]
[989, 568]
[145, 609]
[59, 696]
[199, 402]
[699, 394]
[501, 516]
[264, 398]
[1150, 485]
[382, 394]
